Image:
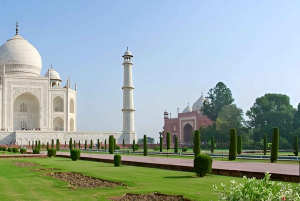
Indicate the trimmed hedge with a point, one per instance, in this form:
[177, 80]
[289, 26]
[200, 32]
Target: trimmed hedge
[184, 149]
[57, 144]
[15, 150]
[9, 149]
[105, 144]
[232, 145]
[265, 144]
[36, 151]
[23, 150]
[118, 147]
[133, 146]
[202, 165]
[239, 144]
[111, 144]
[51, 152]
[197, 143]
[145, 145]
[91, 144]
[176, 145]
[275, 145]
[296, 148]
[212, 144]
[52, 144]
[168, 140]
[4, 149]
[156, 148]
[70, 144]
[117, 160]
[75, 154]
[160, 144]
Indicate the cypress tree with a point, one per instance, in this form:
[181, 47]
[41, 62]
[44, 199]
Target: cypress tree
[239, 144]
[52, 144]
[39, 145]
[197, 142]
[160, 144]
[98, 144]
[275, 145]
[32, 145]
[29, 143]
[265, 144]
[145, 145]
[296, 148]
[47, 146]
[57, 145]
[115, 144]
[133, 146]
[79, 145]
[232, 145]
[212, 144]
[91, 145]
[74, 144]
[65, 144]
[85, 144]
[70, 143]
[36, 145]
[105, 144]
[123, 145]
[176, 145]
[168, 140]
[111, 144]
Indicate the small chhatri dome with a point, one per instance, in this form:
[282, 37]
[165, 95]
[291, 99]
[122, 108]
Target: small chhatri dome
[53, 74]
[198, 104]
[19, 57]
[127, 53]
[166, 112]
[187, 109]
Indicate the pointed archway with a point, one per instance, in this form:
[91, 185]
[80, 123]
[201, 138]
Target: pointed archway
[187, 133]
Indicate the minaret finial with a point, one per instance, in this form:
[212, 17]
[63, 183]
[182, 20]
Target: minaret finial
[17, 29]
[51, 66]
[127, 48]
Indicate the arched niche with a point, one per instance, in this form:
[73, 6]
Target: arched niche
[58, 124]
[72, 105]
[58, 104]
[187, 133]
[72, 124]
[26, 112]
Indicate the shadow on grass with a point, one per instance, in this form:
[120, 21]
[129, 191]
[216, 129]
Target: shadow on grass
[178, 177]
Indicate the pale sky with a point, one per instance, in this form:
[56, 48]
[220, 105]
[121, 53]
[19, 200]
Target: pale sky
[180, 49]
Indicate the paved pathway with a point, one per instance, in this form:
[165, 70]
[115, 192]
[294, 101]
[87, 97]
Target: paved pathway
[286, 169]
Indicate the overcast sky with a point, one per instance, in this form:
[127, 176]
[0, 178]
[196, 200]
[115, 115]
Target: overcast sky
[180, 49]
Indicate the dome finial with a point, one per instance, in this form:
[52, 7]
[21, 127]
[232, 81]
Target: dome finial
[51, 66]
[17, 29]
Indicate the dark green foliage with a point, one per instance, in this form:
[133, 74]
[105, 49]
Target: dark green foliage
[156, 148]
[202, 165]
[123, 143]
[39, 144]
[65, 144]
[117, 160]
[98, 144]
[232, 145]
[105, 144]
[118, 147]
[212, 144]
[91, 144]
[23, 150]
[145, 145]
[70, 144]
[85, 144]
[176, 145]
[32, 145]
[184, 149]
[9, 149]
[15, 150]
[275, 145]
[3, 148]
[115, 144]
[265, 144]
[51, 152]
[36, 145]
[239, 144]
[168, 140]
[74, 144]
[79, 145]
[57, 145]
[197, 142]
[47, 146]
[75, 154]
[29, 143]
[133, 146]
[296, 148]
[160, 144]
[111, 144]
[36, 151]
[52, 144]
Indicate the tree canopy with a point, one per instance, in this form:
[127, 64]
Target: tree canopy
[217, 98]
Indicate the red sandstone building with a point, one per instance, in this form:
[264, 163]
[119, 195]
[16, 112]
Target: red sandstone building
[188, 121]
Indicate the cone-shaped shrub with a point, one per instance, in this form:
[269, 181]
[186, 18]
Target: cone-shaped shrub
[74, 144]
[176, 145]
[23, 150]
[123, 143]
[51, 152]
[29, 143]
[265, 144]
[9, 149]
[52, 144]
[75, 154]
[36, 145]
[98, 144]
[79, 145]
[115, 144]
[212, 144]
[160, 144]
[36, 151]
[145, 145]
[70, 144]
[91, 144]
[202, 165]
[57, 145]
[232, 145]
[133, 146]
[15, 150]
[111, 144]
[275, 145]
[239, 144]
[32, 145]
[296, 149]
[168, 141]
[197, 142]
[85, 144]
[47, 146]
[65, 144]
[105, 145]
[39, 145]
[117, 160]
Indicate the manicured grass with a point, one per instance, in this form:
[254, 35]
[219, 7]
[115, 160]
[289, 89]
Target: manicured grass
[18, 183]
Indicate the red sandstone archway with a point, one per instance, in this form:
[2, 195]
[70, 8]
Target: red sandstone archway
[187, 132]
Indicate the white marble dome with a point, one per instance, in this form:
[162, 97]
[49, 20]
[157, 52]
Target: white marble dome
[198, 104]
[187, 109]
[127, 53]
[53, 74]
[20, 58]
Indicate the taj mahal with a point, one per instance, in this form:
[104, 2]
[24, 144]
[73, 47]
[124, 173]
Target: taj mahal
[40, 107]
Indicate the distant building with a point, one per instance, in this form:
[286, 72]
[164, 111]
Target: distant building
[186, 123]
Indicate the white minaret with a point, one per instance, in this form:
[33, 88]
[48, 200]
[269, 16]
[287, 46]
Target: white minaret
[129, 133]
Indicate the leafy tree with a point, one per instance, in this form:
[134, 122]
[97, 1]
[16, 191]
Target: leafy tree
[212, 144]
[269, 111]
[296, 120]
[296, 148]
[150, 140]
[217, 98]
